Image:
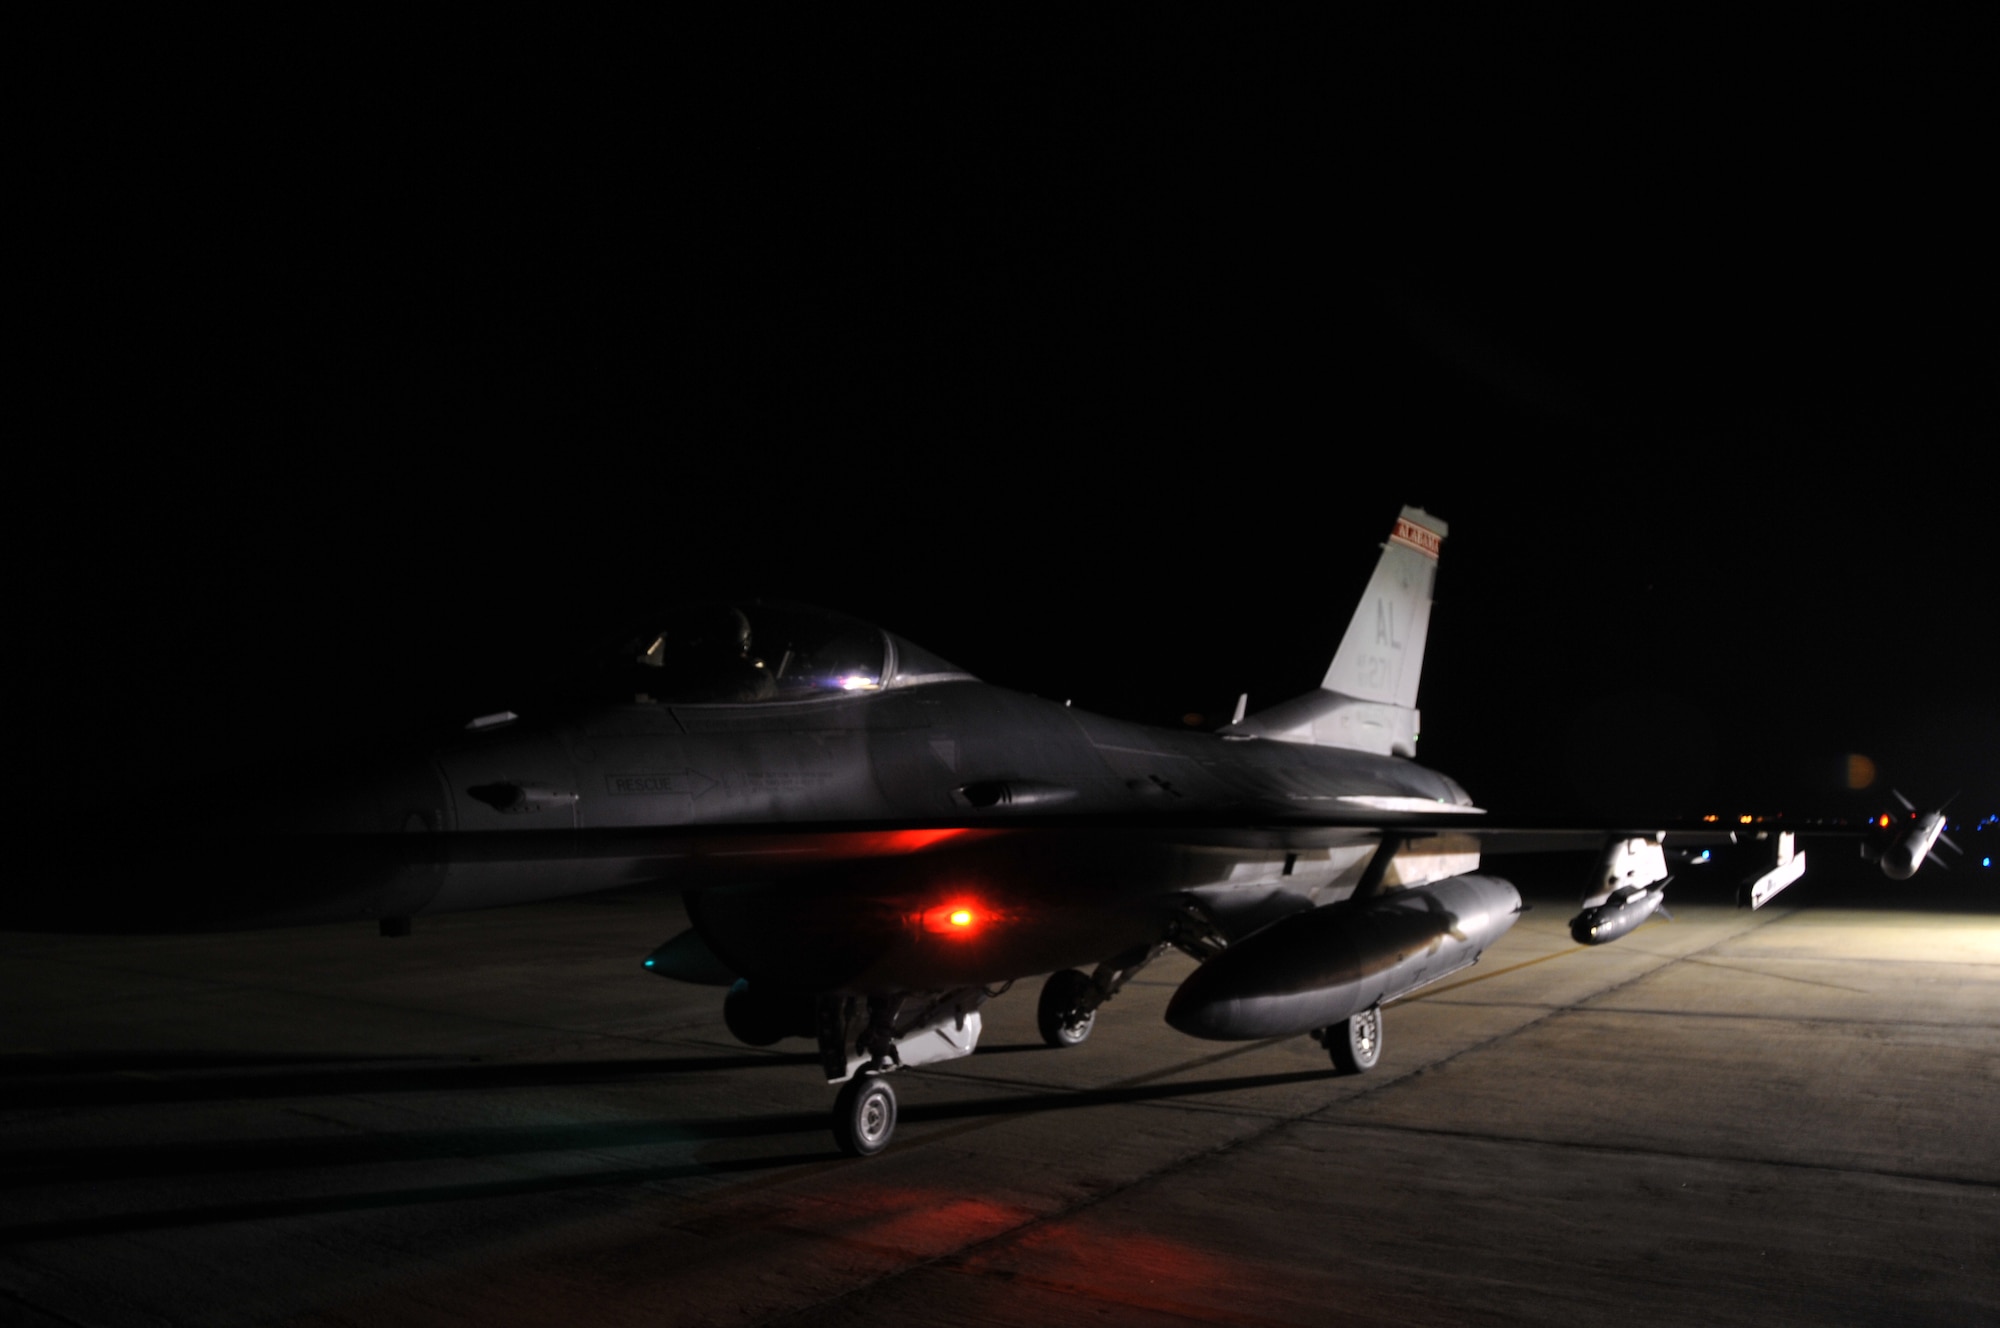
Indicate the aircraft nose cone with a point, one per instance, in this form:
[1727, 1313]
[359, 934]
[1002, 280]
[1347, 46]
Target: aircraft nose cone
[389, 795]
[253, 848]
[354, 841]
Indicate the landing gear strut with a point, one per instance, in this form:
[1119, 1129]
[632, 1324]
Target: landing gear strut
[862, 1039]
[1355, 1043]
[1068, 1007]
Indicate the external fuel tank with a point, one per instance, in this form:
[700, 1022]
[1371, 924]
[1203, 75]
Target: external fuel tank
[1316, 968]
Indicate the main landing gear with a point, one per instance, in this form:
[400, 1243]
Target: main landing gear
[1061, 1015]
[1355, 1043]
[1068, 1007]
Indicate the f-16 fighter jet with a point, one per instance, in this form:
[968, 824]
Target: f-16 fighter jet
[873, 843]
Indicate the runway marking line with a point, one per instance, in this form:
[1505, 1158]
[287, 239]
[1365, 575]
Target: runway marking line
[1676, 1154]
[1496, 973]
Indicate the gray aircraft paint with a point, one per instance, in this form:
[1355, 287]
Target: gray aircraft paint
[859, 793]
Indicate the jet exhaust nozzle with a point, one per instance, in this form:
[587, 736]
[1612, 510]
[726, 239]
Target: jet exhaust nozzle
[1902, 858]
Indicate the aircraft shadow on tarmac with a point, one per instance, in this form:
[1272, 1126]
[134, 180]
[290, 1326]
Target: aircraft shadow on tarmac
[1012, 1048]
[108, 1080]
[85, 1166]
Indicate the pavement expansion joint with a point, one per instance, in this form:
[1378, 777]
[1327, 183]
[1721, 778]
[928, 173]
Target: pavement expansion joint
[1428, 993]
[1760, 1017]
[1169, 1168]
[1778, 977]
[1383, 1086]
[1674, 1154]
[261, 1178]
[1885, 961]
[1174, 1166]
[267, 1210]
[345, 1000]
[9, 1295]
[1036, 1098]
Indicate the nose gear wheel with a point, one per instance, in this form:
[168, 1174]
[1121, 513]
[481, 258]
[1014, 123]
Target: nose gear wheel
[864, 1115]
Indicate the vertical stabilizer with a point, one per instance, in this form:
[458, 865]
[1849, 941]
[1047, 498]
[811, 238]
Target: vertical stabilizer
[1382, 654]
[1368, 701]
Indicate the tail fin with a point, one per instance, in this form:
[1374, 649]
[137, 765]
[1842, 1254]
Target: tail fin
[1368, 700]
[1382, 654]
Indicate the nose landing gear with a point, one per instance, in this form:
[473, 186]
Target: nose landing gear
[864, 1115]
[863, 1039]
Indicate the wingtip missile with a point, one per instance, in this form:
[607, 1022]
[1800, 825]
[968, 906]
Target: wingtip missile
[1903, 857]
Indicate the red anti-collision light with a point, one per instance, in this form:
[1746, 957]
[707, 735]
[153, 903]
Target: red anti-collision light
[962, 918]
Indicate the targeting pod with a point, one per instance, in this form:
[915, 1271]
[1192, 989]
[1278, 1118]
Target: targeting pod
[1631, 881]
[1624, 911]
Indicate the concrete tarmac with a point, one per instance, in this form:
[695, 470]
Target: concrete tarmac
[1781, 1117]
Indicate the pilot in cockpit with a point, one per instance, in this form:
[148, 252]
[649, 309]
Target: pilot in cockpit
[706, 655]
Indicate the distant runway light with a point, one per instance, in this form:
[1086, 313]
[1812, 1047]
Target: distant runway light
[1860, 771]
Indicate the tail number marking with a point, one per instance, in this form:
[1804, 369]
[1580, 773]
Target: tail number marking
[1415, 536]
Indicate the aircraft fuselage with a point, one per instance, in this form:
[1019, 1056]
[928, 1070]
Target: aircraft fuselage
[943, 777]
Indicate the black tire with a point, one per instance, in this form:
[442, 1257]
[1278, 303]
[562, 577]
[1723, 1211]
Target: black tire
[864, 1115]
[1356, 1043]
[1055, 1013]
[751, 1020]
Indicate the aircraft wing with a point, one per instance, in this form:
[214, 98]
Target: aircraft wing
[326, 875]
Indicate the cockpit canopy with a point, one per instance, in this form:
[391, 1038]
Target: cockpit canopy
[751, 651]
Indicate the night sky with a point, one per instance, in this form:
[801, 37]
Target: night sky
[1098, 363]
